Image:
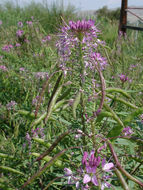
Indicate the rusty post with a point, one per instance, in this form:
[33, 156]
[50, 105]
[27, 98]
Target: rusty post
[123, 16]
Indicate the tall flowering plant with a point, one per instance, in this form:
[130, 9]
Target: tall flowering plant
[82, 64]
[81, 61]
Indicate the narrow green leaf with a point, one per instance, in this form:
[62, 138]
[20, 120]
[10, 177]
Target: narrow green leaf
[75, 103]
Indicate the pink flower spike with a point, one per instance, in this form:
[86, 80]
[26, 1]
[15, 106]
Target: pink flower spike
[107, 167]
[86, 179]
[94, 180]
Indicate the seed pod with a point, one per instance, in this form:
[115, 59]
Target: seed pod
[102, 115]
[123, 92]
[57, 163]
[6, 156]
[8, 169]
[42, 142]
[122, 101]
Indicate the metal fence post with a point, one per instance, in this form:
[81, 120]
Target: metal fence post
[123, 16]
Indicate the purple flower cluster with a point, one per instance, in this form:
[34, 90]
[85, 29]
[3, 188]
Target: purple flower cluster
[20, 24]
[7, 48]
[123, 78]
[41, 75]
[0, 22]
[127, 131]
[3, 68]
[17, 45]
[22, 69]
[46, 39]
[98, 60]
[91, 163]
[29, 22]
[81, 26]
[35, 101]
[11, 105]
[38, 132]
[85, 33]
[19, 33]
[89, 171]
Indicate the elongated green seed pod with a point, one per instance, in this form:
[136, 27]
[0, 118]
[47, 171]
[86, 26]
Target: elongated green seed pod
[53, 102]
[122, 101]
[115, 117]
[27, 114]
[123, 92]
[42, 142]
[38, 120]
[6, 156]
[75, 103]
[59, 104]
[57, 163]
[102, 115]
[8, 169]
[64, 95]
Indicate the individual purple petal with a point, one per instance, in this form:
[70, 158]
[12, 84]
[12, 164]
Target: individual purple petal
[105, 184]
[107, 167]
[94, 180]
[69, 180]
[89, 169]
[77, 185]
[103, 162]
[67, 171]
[101, 148]
[86, 179]
[98, 160]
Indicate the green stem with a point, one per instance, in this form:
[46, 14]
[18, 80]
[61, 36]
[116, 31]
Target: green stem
[81, 85]
[93, 134]
[121, 179]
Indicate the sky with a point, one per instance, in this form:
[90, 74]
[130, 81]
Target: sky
[85, 4]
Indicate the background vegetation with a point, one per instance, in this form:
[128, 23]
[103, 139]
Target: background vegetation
[27, 67]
